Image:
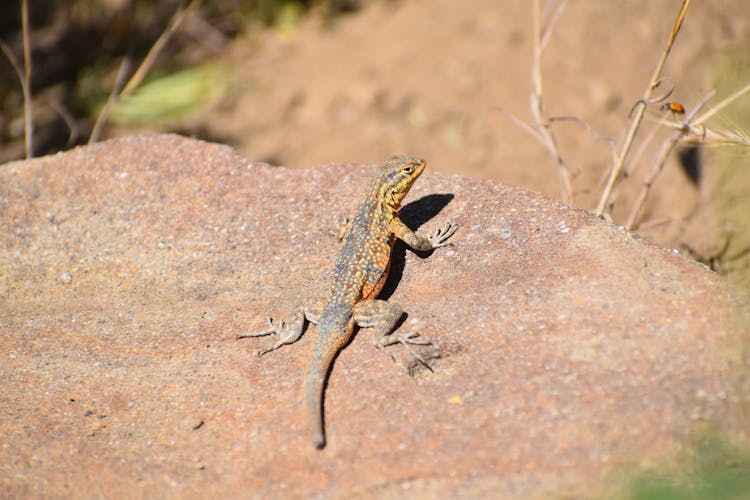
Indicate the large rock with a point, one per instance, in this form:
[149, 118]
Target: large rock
[564, 347]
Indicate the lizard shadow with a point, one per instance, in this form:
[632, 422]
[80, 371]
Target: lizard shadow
[414, 215]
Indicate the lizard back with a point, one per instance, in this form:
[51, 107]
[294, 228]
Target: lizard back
[359, 273]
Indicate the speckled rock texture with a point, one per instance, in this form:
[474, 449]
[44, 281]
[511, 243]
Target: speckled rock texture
[564, 348]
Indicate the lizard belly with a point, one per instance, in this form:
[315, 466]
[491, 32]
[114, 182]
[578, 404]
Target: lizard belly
[376, 267]
[375, 283]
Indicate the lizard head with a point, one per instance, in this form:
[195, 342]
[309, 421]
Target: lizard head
[398, 175]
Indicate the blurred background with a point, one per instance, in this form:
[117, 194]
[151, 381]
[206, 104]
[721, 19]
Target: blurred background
[305, 83]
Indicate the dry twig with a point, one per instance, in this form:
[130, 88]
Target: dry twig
[541, 123]
[140, 73]
[722, 104]
[653, 172]
[112, 101]
[67, 118]
[24, 77]
[27, 115]
[640, 110]
[25, 90]
[689, 127]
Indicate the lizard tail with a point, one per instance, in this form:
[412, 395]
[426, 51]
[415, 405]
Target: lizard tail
[314, 389]
[326, 348]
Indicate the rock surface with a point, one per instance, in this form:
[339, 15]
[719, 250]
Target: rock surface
[564, 347]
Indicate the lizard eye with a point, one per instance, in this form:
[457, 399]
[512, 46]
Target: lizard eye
[408, 169]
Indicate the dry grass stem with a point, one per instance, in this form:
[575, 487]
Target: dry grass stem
[691, 129]
[13, 61]
[205, 34]
[652, 223]
[24, 89]
[592, 132]
[141, 71]
[640, 110]
[156, 48]
[69, 120]
[721, 105]
[648, 181]
[522, 125]
[112, 100]
[541, 123]
[627, 170]
[683, 129]
[28, 120]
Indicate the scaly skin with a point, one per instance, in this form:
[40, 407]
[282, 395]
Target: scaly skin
[358, 277]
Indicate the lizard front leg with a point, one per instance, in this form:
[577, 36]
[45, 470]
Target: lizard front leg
[288, 332]
[436, 239]
[383, 317]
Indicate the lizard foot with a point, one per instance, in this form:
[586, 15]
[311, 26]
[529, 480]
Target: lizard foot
[439, 238]
[278, 328]
[407, 339]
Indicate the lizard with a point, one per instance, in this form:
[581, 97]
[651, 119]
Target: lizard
[359, 274]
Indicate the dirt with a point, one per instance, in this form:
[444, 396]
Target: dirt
[441, 79]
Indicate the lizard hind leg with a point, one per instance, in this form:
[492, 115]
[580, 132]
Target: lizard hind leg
[383, 317]
[288, 333]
